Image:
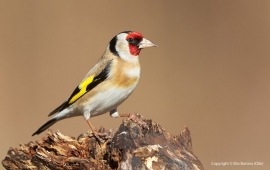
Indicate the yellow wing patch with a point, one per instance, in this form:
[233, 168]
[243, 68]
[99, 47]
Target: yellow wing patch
[82, 89]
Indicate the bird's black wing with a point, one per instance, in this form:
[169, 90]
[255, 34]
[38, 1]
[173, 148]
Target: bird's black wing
[87, 85]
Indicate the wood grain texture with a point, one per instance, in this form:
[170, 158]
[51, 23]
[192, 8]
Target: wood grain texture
[131, 147]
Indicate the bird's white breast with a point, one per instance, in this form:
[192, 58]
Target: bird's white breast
[108, 100]
[113, 92]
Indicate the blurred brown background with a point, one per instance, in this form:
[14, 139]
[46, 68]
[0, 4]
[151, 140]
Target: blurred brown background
[210, 71]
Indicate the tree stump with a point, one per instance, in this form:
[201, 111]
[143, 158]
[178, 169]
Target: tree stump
[132, 147]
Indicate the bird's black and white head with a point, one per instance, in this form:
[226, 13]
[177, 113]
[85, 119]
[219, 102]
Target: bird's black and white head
[128, 45]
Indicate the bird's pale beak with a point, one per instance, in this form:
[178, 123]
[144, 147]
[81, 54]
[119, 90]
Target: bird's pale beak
[146, 43]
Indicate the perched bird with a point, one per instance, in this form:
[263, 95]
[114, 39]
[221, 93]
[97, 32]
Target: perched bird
[107, 84]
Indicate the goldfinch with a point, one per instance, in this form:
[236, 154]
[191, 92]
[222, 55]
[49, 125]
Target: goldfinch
[107, 84]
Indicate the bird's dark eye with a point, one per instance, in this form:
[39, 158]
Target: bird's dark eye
[130, 40]
[133, 41]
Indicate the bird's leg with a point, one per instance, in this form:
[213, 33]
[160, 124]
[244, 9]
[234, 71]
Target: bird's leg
[95, 132]
[91, 126]
[133, 116]
[86, 115]
[128, 115]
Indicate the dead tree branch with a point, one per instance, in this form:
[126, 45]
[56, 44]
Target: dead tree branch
[131, 147]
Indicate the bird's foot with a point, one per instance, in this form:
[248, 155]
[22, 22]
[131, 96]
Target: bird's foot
[136, 118]
[101, 134]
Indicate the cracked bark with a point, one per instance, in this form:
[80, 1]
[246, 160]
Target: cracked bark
[132, 147]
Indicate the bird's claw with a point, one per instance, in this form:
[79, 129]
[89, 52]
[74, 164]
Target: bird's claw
[138, 119]
[101, 134]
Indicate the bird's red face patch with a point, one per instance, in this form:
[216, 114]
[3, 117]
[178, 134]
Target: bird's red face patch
[134, 38]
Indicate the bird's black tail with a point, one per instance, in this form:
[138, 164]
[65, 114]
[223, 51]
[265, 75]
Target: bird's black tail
[45, 126]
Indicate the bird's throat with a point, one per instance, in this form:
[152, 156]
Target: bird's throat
[134, 50]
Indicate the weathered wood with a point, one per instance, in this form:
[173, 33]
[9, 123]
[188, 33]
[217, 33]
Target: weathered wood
[131, 147]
